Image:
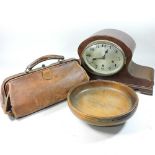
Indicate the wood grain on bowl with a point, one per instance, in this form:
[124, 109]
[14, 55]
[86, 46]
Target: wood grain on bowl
[102, 103]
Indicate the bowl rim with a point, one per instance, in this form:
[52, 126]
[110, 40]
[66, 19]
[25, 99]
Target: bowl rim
[72, 107]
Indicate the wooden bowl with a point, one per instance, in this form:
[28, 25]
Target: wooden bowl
[102, 103]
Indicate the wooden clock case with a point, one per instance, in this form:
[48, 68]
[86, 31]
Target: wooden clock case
[140, 78]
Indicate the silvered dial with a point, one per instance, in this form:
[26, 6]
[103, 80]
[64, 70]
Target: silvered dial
[103, 57]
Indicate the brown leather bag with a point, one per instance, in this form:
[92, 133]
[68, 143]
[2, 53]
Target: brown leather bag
[33, 90]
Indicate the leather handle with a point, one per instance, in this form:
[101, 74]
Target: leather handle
[41, 59]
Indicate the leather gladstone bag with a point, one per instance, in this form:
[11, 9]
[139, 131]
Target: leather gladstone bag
[33, 90]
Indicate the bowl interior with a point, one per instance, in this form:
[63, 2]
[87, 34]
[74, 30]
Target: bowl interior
[103, 99]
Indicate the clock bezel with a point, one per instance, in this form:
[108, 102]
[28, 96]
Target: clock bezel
[102, 41]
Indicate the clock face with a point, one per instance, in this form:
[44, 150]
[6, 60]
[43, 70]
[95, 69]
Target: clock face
[103, 57]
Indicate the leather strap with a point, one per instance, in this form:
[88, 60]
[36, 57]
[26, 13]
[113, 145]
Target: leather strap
[41, 59]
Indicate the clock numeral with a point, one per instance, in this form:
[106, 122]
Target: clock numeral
[116, 51]
[92, 49]
[97, 46]
[102, 67]
[112, 61]
[115, 65]
[109, 68]
[103, 45]
[96, 66]
[88, 55]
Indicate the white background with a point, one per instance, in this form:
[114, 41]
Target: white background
[32, 28]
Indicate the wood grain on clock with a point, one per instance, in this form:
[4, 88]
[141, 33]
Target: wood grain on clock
[140, 78]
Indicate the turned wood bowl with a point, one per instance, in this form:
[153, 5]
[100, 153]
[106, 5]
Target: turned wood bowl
[102, 102]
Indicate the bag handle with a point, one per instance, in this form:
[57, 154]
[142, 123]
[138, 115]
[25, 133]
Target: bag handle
[41, 59]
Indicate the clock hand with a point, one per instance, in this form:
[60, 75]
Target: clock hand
[103, 57]
[106, 51]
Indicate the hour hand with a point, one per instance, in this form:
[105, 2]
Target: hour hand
[103, 57]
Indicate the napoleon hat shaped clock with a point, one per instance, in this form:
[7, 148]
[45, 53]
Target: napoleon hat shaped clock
[108, 55]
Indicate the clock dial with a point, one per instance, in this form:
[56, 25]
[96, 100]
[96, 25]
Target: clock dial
[103, 57]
